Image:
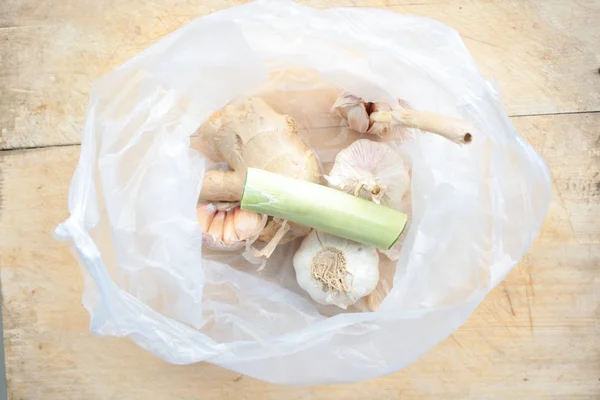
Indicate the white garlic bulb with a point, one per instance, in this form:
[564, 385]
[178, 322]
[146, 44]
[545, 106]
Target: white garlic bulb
[371, 170]
[336, 271]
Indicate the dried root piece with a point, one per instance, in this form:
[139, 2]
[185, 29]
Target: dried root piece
[454, 129]
[266, 251]
[385, 120]
[274, 224]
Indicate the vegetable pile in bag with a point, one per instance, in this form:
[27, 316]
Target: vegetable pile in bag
[385, 113]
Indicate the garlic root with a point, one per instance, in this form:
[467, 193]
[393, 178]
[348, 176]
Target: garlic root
[335, 271]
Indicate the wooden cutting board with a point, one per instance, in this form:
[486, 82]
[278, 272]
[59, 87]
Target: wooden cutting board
[534, 337]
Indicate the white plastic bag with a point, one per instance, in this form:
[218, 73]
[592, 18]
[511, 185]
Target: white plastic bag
[475, 209]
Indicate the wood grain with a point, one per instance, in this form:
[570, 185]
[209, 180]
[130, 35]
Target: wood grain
[543, 54]
[534, 337]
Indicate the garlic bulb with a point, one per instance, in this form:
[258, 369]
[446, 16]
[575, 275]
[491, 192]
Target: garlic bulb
[371, 170]
[336, 271]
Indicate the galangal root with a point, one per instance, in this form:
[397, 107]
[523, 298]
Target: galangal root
[250, 134]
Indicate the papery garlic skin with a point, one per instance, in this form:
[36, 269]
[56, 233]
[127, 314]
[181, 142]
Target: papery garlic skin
[361, 265]
[354, 110]
[371, 170]
[247, 224]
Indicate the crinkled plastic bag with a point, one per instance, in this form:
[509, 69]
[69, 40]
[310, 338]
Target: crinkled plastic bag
[475, 209]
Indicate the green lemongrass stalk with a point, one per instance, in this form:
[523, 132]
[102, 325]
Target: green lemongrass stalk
[322, 208]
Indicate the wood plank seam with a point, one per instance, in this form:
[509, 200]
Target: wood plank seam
[510, 116]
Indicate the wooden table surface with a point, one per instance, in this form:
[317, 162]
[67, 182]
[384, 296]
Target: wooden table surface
[536, 336]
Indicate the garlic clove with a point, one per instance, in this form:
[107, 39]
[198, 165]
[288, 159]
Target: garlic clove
[354, 110]
[358, 119]
[206, 213]
[216, 227]
[247, 224]
[216, 236]
[230, 238]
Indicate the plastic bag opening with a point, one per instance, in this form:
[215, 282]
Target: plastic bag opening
[474, 209]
